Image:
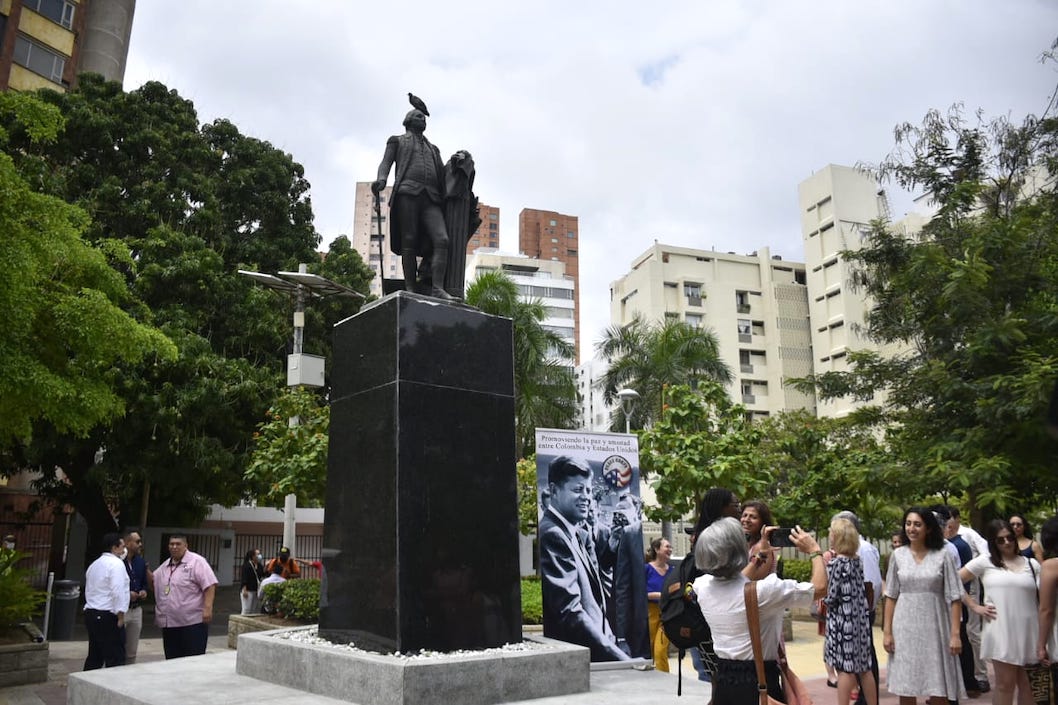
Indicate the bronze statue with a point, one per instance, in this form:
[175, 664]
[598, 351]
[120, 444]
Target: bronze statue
[461, 217]
[416, 211]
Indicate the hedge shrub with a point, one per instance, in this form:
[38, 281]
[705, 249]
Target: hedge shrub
[300, 599]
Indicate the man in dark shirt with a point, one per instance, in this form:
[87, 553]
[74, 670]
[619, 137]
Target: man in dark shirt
[139, 579]
[416, 211]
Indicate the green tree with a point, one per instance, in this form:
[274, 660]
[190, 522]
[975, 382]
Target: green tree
[544, 390]
[701, 439]
[647, 356]
[291, 457]
[65, 327]
[183, 207]
[820, 466]
[971, 301]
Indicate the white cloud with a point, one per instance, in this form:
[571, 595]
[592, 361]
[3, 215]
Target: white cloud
[745, 99]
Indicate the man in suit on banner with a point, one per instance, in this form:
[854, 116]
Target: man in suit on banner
[574, 601]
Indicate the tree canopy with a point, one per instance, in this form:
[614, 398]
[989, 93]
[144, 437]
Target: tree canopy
[178, 208]
[970, 301]
[66, 327]
[647, 355]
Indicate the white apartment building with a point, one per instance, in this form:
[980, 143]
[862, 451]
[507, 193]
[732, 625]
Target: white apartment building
[365, 225]
[756, 304]
[837, 204]
[595, 413]
[545, 280]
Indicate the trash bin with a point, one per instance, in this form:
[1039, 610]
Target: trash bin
[66, 594]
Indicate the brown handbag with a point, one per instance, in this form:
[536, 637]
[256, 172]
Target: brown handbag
[793, 688]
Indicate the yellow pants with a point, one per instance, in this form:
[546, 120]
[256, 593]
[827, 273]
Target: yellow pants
[659, 643]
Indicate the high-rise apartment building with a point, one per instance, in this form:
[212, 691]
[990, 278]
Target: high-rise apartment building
[837, 204]
[367, 224]
[548, 235]
[595, 413]
[488, 233]
[541, 279]
[47, 43]
[757, 305]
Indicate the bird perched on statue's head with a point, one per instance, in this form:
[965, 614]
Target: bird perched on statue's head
[416, 102]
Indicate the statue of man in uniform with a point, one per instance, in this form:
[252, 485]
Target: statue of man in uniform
[417, 221]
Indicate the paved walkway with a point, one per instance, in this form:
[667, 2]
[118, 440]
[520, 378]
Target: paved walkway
[805, 653]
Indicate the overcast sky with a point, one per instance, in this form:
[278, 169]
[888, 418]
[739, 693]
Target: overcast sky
[687, 122]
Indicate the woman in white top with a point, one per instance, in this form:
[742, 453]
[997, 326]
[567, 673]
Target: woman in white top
[721, 553]
[1010, 612]
[1047, 646]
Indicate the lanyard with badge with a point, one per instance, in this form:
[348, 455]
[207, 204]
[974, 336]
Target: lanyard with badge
[172, 568]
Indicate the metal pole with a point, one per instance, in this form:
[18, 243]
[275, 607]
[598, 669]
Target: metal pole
[299, 314]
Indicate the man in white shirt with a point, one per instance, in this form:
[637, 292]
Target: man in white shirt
[872, 574]
[275, 577]
[106, 597]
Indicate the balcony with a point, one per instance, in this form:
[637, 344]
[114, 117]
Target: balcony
[742, 308]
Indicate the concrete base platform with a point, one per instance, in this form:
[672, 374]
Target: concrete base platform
[474, 678]
[213, 679]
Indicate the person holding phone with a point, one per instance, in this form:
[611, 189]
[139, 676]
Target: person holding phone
[755, 516]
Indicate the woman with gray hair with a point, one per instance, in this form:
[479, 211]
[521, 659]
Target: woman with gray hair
[721, 553]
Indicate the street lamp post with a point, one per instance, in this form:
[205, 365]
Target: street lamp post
[628, 398]
[302, 370]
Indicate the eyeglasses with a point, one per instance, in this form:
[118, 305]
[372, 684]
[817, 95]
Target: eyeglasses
[1005, 539]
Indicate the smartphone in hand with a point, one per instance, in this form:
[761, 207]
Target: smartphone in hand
[780, 537]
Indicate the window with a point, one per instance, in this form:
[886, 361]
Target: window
[742, 301]
[745, 327]
[799, 277]
[493, 226]
[571, 234]
[571, 253]
[493, 216]
[554, 239]
[554, 223]
[693, 319]
[39, 60]
[694, 290]
[744, 363]
[58, 11]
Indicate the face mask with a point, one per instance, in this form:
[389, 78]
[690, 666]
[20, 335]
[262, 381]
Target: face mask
[9, 546]
[124, 553]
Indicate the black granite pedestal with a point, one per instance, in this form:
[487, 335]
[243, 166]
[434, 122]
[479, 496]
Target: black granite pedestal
[420, 542]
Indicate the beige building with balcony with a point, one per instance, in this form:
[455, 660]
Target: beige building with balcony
[756, 304]
[837, 204]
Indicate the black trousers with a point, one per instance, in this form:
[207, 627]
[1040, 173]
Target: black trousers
[185, 641]
[736, 682]
[106, 640]
[421, 221]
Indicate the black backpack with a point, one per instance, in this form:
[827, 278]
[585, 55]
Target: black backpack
[681, 617]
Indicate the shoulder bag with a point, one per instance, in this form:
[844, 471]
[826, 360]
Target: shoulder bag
[793, 688]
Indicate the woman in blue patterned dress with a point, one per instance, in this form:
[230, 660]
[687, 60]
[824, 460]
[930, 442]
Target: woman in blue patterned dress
[847, 646]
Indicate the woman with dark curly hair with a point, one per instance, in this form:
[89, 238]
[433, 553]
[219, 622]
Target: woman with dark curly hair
[1010, 612]
[755, 516]
[1027, 546]
[922, 613]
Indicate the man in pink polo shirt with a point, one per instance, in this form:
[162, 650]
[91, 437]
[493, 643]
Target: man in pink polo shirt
[184, 588]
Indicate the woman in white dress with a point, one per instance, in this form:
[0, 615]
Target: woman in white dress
[1047, 646]
[1010, 613]
[922, 611]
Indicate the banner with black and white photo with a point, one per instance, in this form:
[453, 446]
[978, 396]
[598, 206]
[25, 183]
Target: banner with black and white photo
[591, 542]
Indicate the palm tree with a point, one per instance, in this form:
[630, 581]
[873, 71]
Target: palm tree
[545, 394]
[646, 356]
